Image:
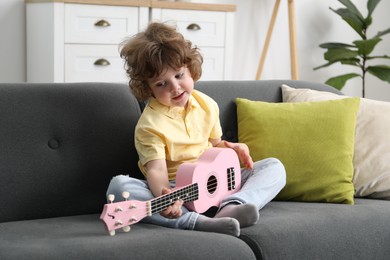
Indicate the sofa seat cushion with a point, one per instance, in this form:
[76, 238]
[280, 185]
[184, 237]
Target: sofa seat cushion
[84, 237]
[300, 230]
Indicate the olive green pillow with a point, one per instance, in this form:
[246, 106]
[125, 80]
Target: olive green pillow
[314, 141]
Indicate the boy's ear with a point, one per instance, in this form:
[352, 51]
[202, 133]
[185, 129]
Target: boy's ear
[148, 89]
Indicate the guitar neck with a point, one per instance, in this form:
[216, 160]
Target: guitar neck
[187, 194]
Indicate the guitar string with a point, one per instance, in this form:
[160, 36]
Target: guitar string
[148, 208]
[142, 212]
[185, 194]
[167, 200]
[159, 205]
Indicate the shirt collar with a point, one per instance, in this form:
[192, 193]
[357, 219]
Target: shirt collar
[172, 112]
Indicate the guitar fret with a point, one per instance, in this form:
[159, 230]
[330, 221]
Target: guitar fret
[159, 208]
[187, 194]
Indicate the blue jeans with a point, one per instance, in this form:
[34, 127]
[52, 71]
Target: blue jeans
[258, 186]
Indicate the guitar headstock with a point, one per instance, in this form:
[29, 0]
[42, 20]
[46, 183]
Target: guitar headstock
[122, 214]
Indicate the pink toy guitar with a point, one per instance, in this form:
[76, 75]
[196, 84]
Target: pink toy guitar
[200, 185]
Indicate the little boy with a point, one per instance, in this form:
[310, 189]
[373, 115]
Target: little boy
[177, 125]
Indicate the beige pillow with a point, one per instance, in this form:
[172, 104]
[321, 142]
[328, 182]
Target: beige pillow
[372, 141]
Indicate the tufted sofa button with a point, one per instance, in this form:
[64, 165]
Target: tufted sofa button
[53, 144]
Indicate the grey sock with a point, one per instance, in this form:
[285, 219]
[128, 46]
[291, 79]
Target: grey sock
[229, 226]
[246, 214]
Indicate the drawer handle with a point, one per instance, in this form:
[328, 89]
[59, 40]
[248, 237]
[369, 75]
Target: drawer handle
[101, 62]
[193, 27]
[102, 23]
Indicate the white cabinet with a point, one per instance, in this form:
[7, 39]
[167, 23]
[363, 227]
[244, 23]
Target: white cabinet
[79, 42]
[71, 41]
[91, 40]
[210, 31]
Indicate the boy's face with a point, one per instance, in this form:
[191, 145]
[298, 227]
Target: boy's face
[173, 87]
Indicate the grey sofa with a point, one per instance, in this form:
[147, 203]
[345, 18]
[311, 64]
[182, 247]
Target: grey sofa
[60, 144]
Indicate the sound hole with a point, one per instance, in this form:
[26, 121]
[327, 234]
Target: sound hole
[212, 184]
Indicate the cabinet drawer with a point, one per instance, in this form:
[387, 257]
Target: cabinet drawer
[202, 28]
[99, 24]
[82, 64]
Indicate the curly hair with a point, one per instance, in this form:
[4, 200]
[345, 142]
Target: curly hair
[148, 53]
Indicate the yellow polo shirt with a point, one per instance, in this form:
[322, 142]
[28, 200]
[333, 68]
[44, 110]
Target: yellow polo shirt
[177, 134]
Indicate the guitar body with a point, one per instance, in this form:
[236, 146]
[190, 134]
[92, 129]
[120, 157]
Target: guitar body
[200, 185]
[218, 174]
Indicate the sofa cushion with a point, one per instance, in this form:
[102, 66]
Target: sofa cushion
[60, 146]
[299, 230]
[372, 149]
[84, 237]
[314, 141]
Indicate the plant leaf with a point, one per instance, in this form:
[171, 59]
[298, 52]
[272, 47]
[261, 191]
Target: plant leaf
[353, 62]
[380, 71]
[357, 23]
[339, 81]
[338, 54]
[365, 47]
[350, 6]
[377, 57]
[324, 65]
[371, 4]
[330, 45]
[380, 33]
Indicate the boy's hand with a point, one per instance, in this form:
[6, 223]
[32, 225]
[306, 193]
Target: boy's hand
[242, 151]
[173, 211]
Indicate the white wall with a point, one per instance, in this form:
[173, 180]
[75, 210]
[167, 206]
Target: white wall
[12, 41]
[316, 24]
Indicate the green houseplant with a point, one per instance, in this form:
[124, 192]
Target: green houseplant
[357, 53]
